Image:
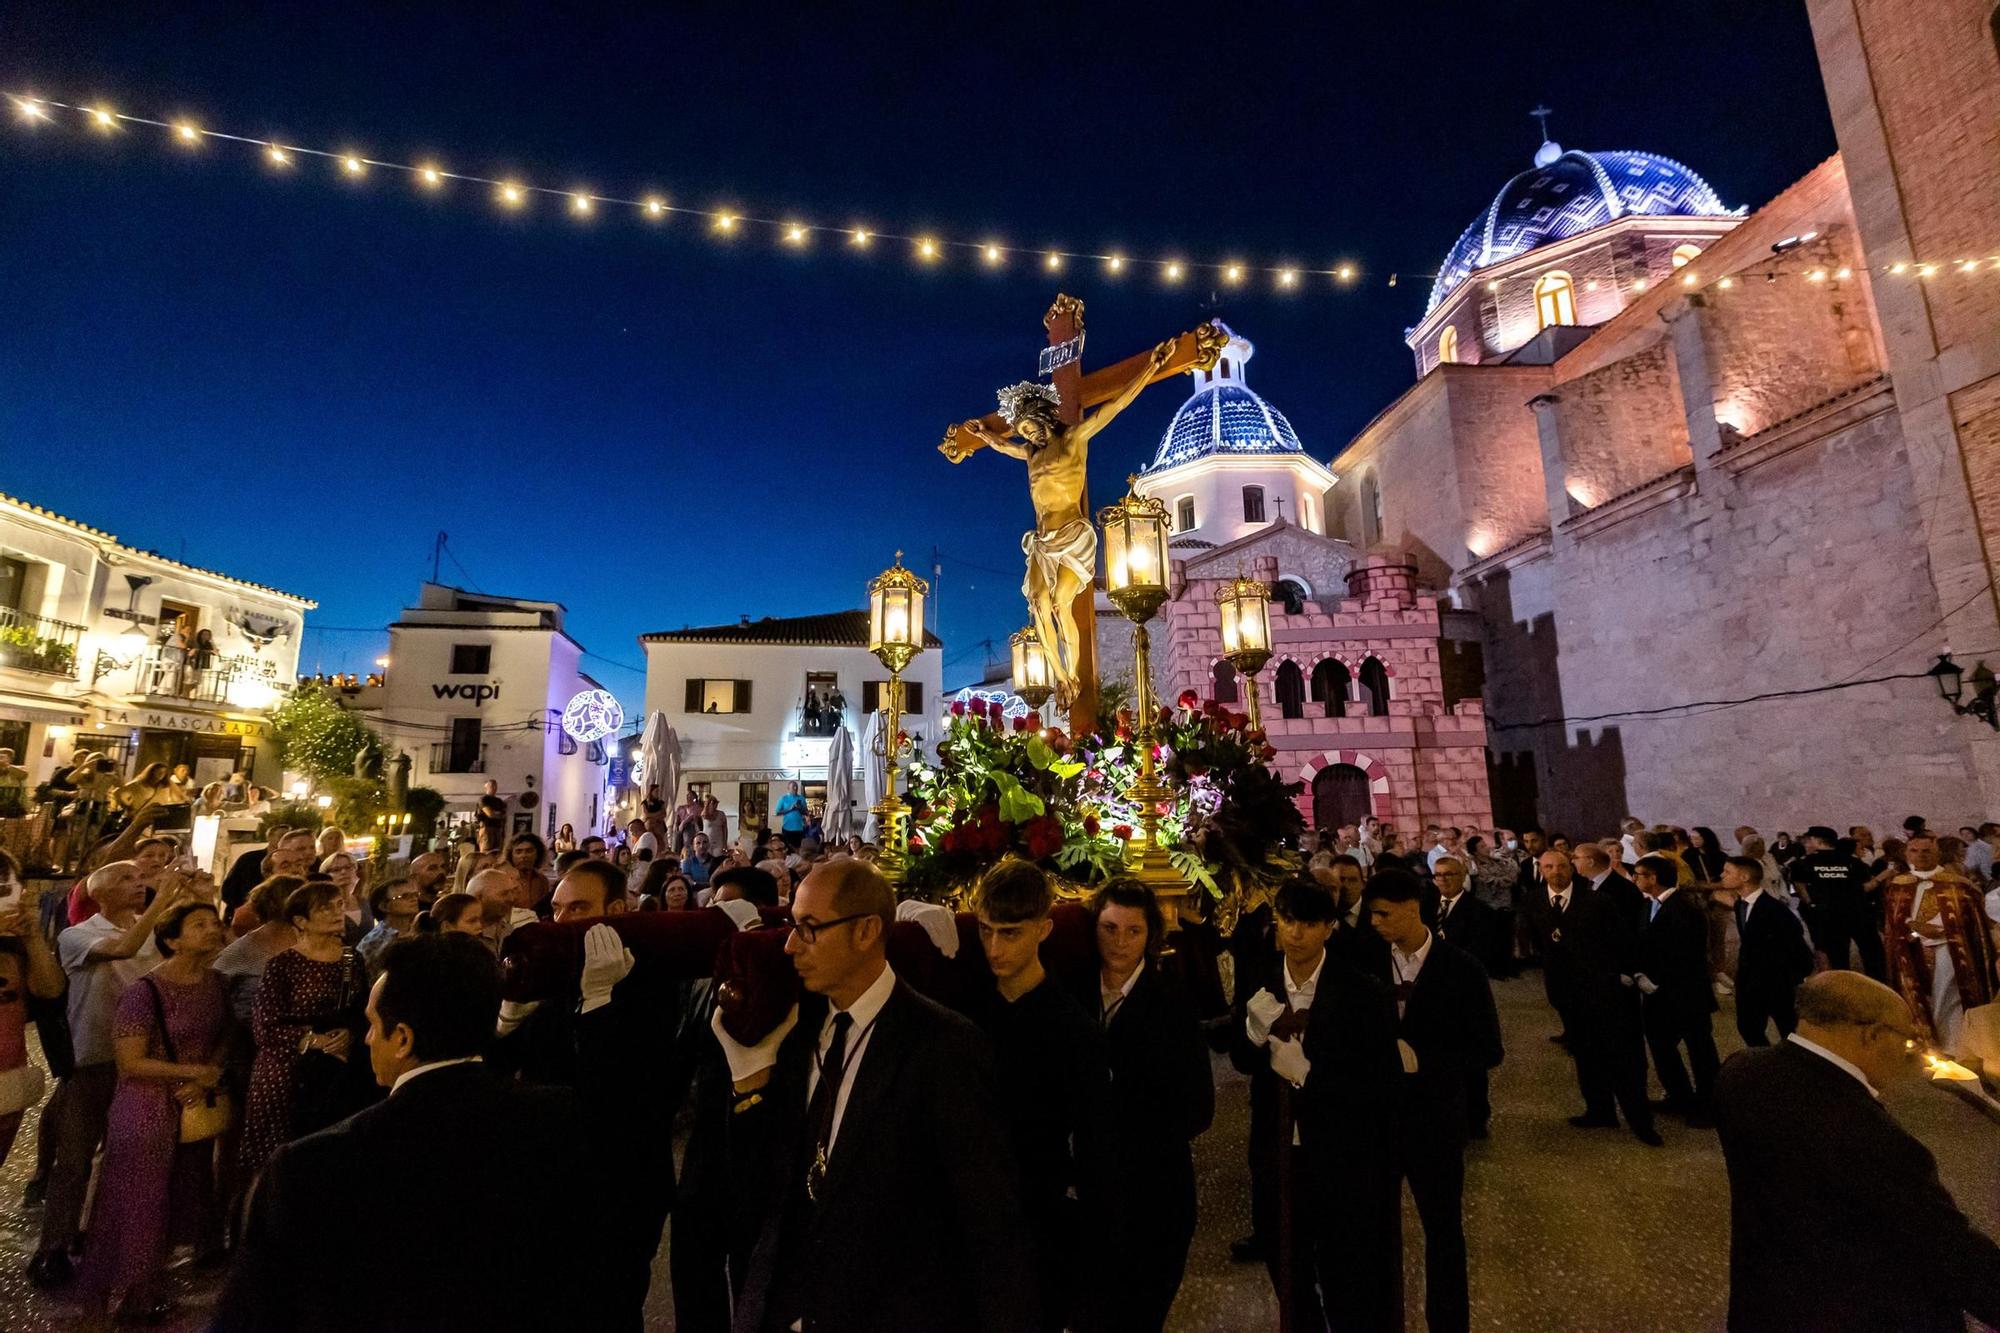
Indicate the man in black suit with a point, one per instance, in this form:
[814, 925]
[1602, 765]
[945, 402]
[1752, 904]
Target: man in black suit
[1162, 1098]
[1772, 956]
[1677, 997]
[430, 1015]
[866, 1127]
[1834, 885]
[1275, 1003]
[1446, 1029]
[1599, 868]
[1480, 931]
[1884, 1248]
[1352, 939]
[1589, 949]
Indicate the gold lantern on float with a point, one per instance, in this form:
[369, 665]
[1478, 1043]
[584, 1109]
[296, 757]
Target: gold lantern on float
[1246, 632]
[1135, 579]
[895, 636]
[1033, 680]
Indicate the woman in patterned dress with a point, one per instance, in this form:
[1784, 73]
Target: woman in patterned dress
[154, 1189]
[27, 967]
[309, 1000]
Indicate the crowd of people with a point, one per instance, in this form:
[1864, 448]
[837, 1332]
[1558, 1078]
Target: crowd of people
[300, 1060]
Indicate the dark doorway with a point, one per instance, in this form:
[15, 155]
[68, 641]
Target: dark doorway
[1340, 796]
[1291, 690]
[1224, 683]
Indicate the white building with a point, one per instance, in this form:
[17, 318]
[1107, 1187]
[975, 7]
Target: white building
[90, 655]
[476, 688]
[736, 694]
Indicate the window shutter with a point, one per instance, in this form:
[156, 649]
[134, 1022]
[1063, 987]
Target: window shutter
[871, 695]
[694, 696]
[742, 696]
[913, 696]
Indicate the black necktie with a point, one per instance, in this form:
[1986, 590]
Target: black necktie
[1742, 914]
[826, 1097]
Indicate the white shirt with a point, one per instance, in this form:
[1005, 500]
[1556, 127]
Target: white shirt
[1446, 904]
[421, 1070]
[1109, 1000]
[1749, 901]
[864, 1011]
[1407, 966]
[1659, 902]
[1597, 881]
[1559, 901]
[1852, 1069]
[1299, 995]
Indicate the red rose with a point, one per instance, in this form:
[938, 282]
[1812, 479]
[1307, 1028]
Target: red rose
[978, 706]
[1255, 735]
[1044, 836]
[1268, 753]
[1091, 826]
[1025, 722]
[1122, 832]
[917, 840]
[958, 708]
[1189, 699]
[1238, 721]
[1124, 717]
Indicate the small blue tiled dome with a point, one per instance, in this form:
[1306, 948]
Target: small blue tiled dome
[1566, 194]
[1224, 417]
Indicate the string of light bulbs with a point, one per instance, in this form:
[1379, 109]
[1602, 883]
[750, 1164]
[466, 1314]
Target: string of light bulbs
[796, 232]
[926, 248]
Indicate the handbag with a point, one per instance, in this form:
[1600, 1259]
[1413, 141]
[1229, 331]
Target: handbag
[210, 1115]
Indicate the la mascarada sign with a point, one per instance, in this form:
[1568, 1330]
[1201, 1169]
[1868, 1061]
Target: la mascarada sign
[160, 719]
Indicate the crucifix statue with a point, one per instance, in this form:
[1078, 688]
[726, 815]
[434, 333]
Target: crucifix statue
[1044, 426]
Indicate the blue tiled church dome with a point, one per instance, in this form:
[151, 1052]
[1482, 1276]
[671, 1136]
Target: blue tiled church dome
[1567, 193]
[1224, 417]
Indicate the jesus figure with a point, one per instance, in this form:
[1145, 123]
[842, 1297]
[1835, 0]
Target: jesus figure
[1062, 550]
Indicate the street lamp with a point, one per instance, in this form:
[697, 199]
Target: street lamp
[895, 636]
[1032, 678]
[1950, 678]
[1246, 632]
[1135, 579]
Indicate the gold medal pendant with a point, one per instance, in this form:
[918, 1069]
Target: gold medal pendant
[1555, 936]
[816, 1173]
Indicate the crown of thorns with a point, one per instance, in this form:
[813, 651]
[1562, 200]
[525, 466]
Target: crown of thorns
[1025, 398]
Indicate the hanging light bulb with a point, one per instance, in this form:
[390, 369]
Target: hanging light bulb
[1234, 273]
[430, 176]
[859, 238]
[1174, 271]
[32, 110]
[795, 234]
[992, 254]
[725, 222]
[656, 207]
[1115, 263]
[352, 165]
[187, 132]
[1287, 278]
[512, 195]
[579, 203]
[1054, 261]
[103, 118]
[927, 248]
[1345, 273]
[279, 157]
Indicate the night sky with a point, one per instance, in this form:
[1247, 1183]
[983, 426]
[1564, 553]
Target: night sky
[299, 380]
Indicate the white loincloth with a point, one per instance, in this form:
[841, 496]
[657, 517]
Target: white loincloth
[1073, 546]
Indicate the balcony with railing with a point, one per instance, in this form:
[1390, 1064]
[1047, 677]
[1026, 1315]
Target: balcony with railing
[447, 757]
[238, 681]
[38, 644]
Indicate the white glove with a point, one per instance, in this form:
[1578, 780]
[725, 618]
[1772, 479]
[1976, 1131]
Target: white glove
[1647, 986]
[606, 961]
[743, 912]
[513, 1013]
[1288, 1061]
[1259, 1012]
[745, 1061]
[1409, 1054]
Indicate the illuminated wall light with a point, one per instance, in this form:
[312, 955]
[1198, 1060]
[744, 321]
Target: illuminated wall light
[1926, 270]
[1727, 282]
[1493, 284]
[1590, 286]
[1967, 265]
[579, 203]
[1843, 273]
[1687, 279]
[352, 165]
[1817, 275]
[1638, 284]
[187, 133]
[1899, 267]
[1053, 262]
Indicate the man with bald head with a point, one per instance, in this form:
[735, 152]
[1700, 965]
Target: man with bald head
[1884, 1248]
[500, 910]
[1589, 951]
[865, 1128]
[103, 955]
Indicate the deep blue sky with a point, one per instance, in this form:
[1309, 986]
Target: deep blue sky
[299, 381]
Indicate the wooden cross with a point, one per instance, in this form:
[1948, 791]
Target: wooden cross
[1195, 350]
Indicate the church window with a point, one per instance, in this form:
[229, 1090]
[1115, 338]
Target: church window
[1371, 510]
[1329, 687]
[1290, 595]
[1555, 299]
[1448, 346]
[1253, 504]
[1684, 255]
[1309, 511]
[1291, 690]
[1225, 367]
[1184, 514]
[1375, 687]
[1223, 683]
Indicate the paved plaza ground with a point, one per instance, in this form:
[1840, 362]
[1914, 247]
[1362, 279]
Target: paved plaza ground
[1571, 1231]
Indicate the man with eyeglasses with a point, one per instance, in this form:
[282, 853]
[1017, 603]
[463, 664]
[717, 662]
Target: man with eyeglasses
[865, 1125]
[1808, 1143]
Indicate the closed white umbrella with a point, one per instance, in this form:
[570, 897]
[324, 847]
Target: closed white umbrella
[840, 821]
[874, 770]
[670, 765]
[652, 752]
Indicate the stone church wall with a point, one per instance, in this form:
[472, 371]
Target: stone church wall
[1800, 571]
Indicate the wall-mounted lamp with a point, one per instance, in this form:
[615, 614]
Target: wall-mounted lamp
[1950, 678]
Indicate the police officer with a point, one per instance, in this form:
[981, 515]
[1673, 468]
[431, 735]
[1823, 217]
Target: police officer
[1833, 883]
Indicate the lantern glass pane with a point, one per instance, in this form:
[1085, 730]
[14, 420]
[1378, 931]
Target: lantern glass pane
[895, 616]
[1256, 622]
[874, 618]
[1231, 639]
[1117, 575]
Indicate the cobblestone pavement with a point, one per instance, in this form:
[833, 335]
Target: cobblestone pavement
[1570, 1231]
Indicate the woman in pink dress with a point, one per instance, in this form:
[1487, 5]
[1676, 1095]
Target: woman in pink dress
[154, 1189]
